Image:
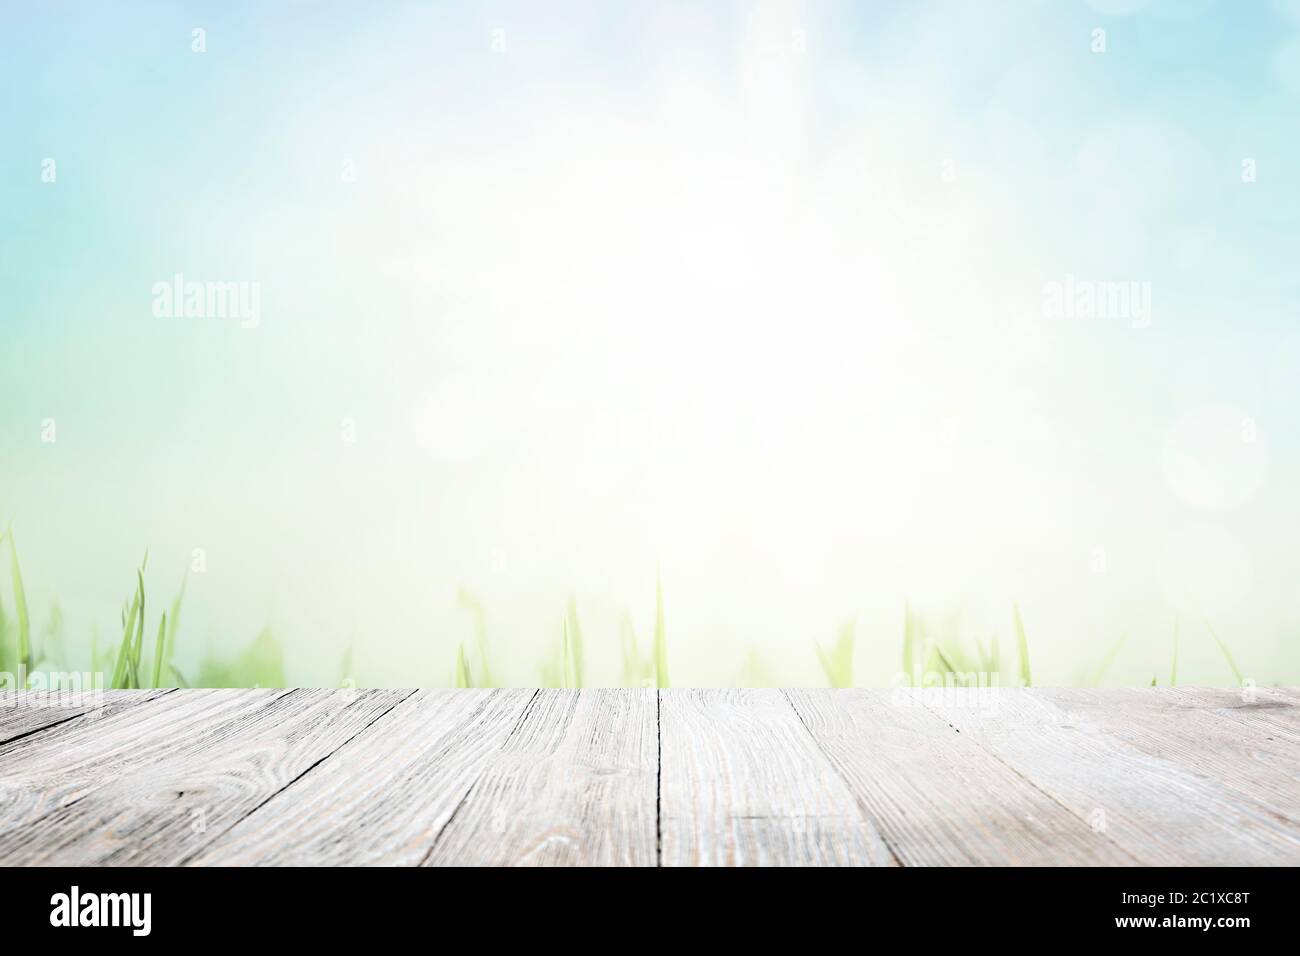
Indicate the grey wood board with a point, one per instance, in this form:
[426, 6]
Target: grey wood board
[640, 777]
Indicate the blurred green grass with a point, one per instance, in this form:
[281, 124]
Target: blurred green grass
[933, 650]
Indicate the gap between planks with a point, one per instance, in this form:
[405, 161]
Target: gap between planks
[708, 777]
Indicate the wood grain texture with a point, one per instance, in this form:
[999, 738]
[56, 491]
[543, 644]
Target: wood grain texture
[382, 798]
[60, 762]
[637, 777]
[184, 783]
[1257, 762]
[937, 796]
[24, 713]
[574, 784]
[1155, 808]
[742, 783]
[1270, 711]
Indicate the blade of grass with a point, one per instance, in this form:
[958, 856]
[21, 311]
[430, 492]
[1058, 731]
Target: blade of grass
[5, 665]
[661, 640]
[160, 648]
[909, 644]
[1223, 648]
[1108, 659]
[472, 604]
[566, 658]
[126, 672]
[954, 651]
[1022, 646]
[262, 665]
[345, 666]
[463, 678]
[20, 608]
[572, 646]
[5, 653]
[946, 664]
[838, 663]
[120, 670]
[138, 647]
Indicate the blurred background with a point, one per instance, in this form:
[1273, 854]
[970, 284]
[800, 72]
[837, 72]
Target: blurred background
[758, 300]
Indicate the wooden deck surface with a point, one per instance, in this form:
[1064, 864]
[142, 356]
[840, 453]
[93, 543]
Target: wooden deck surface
[645, 777]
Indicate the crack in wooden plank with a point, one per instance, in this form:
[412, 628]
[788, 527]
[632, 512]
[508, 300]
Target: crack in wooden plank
[659, 778]
[1168, 811]
[433, 846]
[203, 847]
[40, 730]
[1034, 784]
[92, 713]
[889, 846]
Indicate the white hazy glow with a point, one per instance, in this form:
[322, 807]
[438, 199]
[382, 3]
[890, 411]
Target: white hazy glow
[696, 334]
[768, 319]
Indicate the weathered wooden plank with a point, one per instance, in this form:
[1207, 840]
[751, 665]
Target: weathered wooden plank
[574, 784]
[156, 805]
[384, 797]
[937, 796]
[64, 762]
[1178, 775]
[26, 712]
[1156, 808]
[1252, 760]
[742, 783]
[1268, 710]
